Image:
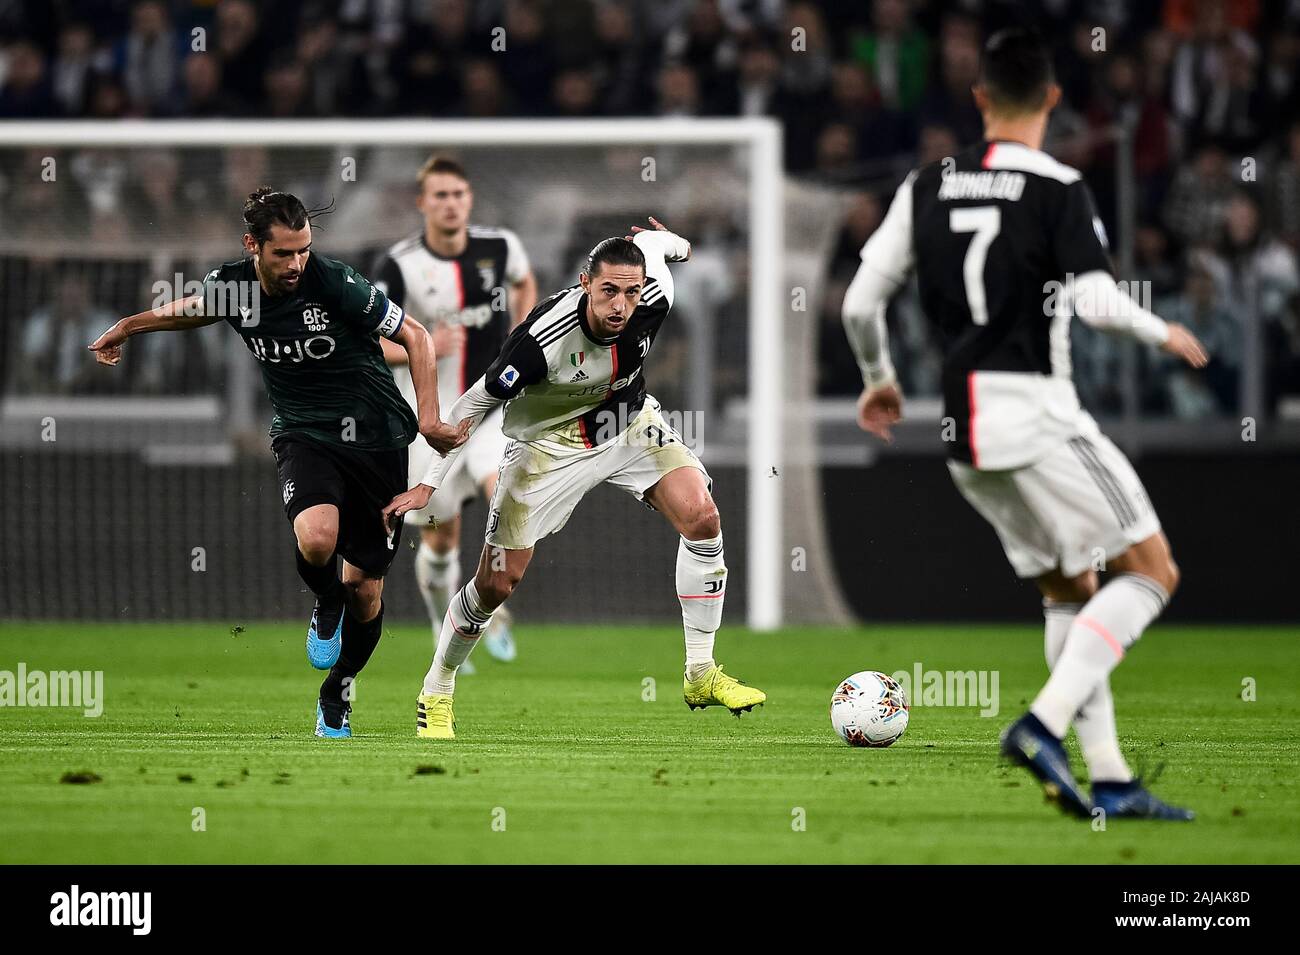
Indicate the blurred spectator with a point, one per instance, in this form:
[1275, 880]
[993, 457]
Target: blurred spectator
[679, 91]
[286, 95]
[242, 52]
[895, 53]
[881, 133]
[1282, 188]
[1120, 99]
[148, 58]
[108, 99]
[1199, 195]
[1213, 92]
[949, 102]
[73, 67]
[574, 94]
[203, 96]
[620, 59]
[1156, 267]
[935, 143]
[837, 159]
[337, 81]
[483, 92]
[52, 356]
[34, 206]
[1202, 308]
[25, 93]
[430, 65]
[528, 65]
[1250, 266]
[703, 45]
[806, 67]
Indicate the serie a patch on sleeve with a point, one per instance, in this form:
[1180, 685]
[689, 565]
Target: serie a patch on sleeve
[509, 376]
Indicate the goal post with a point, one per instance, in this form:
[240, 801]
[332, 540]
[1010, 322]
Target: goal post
[759, 139]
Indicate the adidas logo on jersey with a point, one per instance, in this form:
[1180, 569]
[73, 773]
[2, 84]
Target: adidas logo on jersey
[580, 376]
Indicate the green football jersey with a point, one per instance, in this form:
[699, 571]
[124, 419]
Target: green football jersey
[319, 350]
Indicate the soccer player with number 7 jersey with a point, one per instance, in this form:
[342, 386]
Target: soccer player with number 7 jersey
[1006, 246]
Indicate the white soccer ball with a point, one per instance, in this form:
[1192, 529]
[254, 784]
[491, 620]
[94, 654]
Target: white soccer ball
[869, 709]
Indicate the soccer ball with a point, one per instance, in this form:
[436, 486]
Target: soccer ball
[869, 709]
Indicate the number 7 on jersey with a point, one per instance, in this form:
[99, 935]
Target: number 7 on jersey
[985, 222]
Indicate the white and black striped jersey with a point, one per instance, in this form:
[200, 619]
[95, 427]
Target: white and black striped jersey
[565, 385]
[471, 289]
[989, 232]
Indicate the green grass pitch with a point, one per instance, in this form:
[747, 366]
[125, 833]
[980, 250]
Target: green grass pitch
[563, 754]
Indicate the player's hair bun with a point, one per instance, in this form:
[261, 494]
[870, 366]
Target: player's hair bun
[266, 206]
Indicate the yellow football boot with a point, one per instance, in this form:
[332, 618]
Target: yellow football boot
[715, 688]
[433, 717]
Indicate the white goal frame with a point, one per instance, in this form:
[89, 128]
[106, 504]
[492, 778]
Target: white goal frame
[761, 136]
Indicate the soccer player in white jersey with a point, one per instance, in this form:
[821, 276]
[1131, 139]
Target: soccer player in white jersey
[463, 283]
[578, 415]
[1006, 244]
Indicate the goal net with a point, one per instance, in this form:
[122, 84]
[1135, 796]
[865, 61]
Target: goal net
[148, 490]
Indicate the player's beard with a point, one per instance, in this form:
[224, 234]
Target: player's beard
[276, 285]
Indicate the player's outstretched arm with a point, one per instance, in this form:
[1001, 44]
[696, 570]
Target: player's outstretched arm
[469, 409]
[178, 315]
[423, 363]
[660, 246]
[1102, 304]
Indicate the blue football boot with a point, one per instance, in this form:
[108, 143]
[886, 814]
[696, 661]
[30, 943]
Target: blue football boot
[498, 641]
[1028, 743]
[326, 731]
[1132, 800]
[323, 653]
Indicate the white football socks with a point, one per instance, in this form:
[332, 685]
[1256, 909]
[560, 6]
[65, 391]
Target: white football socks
[464, 623]
[1095, 722]
[438, 577]
[701, 589]
[1109, 623]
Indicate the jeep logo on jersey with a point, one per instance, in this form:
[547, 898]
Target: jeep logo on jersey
[317, 347]
[315, 318]
[577, 358]
[509, 376]
[607, 386]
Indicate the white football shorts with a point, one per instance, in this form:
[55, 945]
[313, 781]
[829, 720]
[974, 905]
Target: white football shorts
[1074, 509]
[541, 482]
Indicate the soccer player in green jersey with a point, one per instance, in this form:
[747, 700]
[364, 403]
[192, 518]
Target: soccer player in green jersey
[341, 426]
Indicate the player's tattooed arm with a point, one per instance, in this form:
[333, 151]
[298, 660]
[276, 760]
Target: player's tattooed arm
[423, 363]
[178, 315]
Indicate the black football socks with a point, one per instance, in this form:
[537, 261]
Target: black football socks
[359, 642]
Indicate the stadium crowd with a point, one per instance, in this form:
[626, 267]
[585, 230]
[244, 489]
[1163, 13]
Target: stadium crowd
[865, 89]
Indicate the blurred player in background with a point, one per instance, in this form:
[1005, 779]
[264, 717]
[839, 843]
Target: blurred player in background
[468, 286]
[341, 427]
[578, 415]
[1006, 244]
